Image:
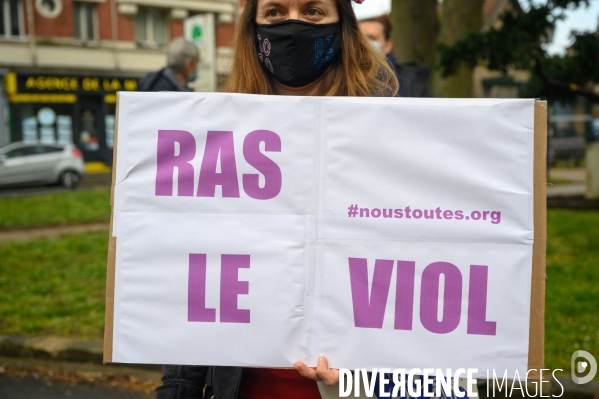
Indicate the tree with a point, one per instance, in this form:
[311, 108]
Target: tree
[419, 26]
[415, 31]
[460, 18]
[519, 43]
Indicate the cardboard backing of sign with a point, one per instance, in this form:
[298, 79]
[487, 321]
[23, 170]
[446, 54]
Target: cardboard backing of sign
[537, 313]
[536, 348]
[111, 262]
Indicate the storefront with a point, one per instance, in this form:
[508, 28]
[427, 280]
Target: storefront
[57, 108]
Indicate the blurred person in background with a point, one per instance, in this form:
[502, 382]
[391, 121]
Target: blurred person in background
[182, 68]
[413, 76]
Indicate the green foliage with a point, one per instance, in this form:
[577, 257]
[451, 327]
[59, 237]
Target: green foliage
[54, 287]
[575, 72]
[501, 49]
[519, 44]
[81, 206]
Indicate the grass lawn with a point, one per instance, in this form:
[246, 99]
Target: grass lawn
[572, 301]
[56, 287]
[79, 206]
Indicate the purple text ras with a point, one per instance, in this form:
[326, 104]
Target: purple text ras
[177, 149]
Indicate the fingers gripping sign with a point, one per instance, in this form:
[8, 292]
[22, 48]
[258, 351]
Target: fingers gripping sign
[322, 372]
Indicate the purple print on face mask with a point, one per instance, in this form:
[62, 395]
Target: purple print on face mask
[264, 47]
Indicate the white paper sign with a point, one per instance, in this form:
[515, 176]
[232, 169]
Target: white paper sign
[372, 8]
[380, 232]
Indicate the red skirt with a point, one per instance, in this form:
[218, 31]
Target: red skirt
[258, 383]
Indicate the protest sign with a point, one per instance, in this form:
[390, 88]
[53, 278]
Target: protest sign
[263, 230]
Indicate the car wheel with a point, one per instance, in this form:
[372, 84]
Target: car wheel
[69, 179]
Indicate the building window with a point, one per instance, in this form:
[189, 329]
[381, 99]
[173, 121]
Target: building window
[11, 19]
[151, 26]
[86, 25]
[49, 8]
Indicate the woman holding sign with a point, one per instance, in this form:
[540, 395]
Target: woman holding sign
[301, 48]
[306, 48]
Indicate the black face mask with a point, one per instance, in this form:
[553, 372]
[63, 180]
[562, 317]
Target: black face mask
[295, 52]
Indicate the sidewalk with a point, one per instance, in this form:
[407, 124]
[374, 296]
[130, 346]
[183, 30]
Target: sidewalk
[59, 349]
[44, 379]
[36, 233]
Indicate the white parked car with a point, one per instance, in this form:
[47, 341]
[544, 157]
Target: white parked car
[39, 163]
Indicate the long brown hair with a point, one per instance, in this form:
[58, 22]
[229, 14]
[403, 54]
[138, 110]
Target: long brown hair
[358, 71]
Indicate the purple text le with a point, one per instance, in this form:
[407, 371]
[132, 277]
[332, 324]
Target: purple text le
[230, 288]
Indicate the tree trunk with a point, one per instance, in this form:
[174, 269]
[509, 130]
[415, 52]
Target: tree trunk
[459, 17]
[415, 30]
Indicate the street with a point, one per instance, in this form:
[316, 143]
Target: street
[88, 181]
[32, 388]
[41, 379]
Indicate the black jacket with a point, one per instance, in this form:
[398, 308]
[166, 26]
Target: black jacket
[163, 80]
[187, 382]
[413, 78]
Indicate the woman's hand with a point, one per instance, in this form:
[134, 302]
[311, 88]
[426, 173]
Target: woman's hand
[322, 372]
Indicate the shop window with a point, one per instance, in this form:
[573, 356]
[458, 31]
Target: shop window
[29, 129]
[86, 21]
[109, 122]
[64, 127]
[151, 27]
[46, 124]
[88, 135]
[11, 19]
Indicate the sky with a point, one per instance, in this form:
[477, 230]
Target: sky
[581, 19]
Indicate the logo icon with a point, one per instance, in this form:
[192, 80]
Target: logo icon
[581, 366]
[196, 32]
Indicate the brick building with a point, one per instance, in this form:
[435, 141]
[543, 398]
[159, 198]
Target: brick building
[63, 61]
